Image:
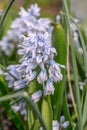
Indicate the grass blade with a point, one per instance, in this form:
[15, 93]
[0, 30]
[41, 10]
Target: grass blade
[5, 14]
[59, 42]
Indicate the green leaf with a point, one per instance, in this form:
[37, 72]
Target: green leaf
[47, 112]
[66, 112]
[83, 32]
[30, 117]
[36, 125]
[35, 109]
[85, 127]
[59, 42]
[68, 4]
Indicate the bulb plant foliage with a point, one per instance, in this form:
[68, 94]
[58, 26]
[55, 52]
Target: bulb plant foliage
[38, 83]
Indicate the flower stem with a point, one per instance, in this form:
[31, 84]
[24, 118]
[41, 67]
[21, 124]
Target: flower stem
[8, 97]
[68, 77]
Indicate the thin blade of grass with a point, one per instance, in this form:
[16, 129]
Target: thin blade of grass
[5, 14]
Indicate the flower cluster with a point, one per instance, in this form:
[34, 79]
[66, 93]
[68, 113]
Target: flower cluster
[37, 52]
[37, 56]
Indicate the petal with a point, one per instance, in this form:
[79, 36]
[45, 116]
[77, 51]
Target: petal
[19, 84]
[36, 96]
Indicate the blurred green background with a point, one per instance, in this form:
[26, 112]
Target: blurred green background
[49, 8]
[53, 6]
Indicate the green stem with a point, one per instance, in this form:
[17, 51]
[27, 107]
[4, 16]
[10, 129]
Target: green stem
[80, 127]
[30, 117]
[68, 77]
[5, 14]
[30, 113]
[8, 97]
[2, 67]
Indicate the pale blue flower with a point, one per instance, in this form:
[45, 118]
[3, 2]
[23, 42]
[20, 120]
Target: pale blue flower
[13, 75]
[15, 107]
[19, 84]
[5, 47]
[55, 125]
[42, 77]
[30, 77]
[54, 71]
[21, 108]
[34, 10]
[58, 18]
[41, 39]
[62, 119]
[36, 96]
[42, 25]
[39, 59]
[82, 84]
[13, 70]
[48, 88]
[23, 13]
[63, 124]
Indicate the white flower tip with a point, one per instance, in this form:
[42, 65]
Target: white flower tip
[65, 124]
